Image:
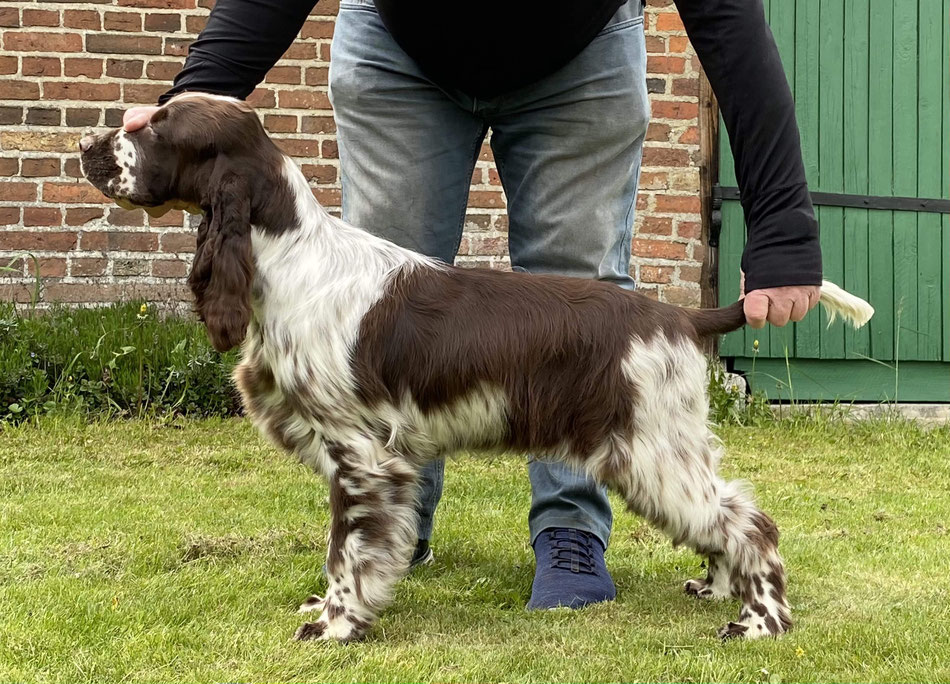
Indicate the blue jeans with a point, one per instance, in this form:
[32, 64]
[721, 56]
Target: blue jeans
[567, 149]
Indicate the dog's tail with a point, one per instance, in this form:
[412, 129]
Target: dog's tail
[838, 303]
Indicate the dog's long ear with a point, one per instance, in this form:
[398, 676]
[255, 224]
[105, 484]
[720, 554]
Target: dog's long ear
[223, 267]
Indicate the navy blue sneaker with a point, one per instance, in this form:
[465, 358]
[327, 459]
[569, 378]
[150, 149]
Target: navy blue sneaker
[570, 570]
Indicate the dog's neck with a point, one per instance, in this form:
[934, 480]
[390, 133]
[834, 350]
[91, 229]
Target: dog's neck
[315, 260]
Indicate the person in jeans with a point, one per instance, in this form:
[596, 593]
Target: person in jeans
[415, 87]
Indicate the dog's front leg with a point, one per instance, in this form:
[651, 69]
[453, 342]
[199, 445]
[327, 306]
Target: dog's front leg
[372, 534]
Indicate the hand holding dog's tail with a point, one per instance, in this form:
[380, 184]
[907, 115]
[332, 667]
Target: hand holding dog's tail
[836, 301]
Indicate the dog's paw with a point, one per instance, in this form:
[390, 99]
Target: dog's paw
[752, 626]
[311, 604]
[703, 589]
[312, 631]
[733, 630]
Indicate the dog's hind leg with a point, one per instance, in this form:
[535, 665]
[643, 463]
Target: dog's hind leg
[372, 534]
[718, 520]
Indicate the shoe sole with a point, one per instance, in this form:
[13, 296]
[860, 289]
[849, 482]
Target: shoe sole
[427, 559]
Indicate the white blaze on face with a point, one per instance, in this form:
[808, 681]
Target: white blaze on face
[125, 157]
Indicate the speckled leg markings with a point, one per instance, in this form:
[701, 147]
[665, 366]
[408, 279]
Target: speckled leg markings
[372, 533]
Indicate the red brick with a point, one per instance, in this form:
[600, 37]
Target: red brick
[689, 229]
[163, 71]
[123, 45]
[686, 86]
[133, 242]
[280, 124]
[40, 167]
[17, 191]
[656, 274]
[664, 156]
[328, 197]
[82, 19]
[195, 23]
[94, 241]
[9, 166]
[655, 44]
[661, 64]
[324, 52]
[681, 296]
[178, 243]
[169, 268]
[679, 44]
[106, 292]
[88, 267]
[690, 136]
[74, 193]
[681, 204]
[122, 21]
[690, 274]
[300, 148]
[177, 47]
[317, 29]
[284, 74]
[126, 217]
[159, 4]
[8, 65]
[301, 51]
[664, 109]
[72, 169]
[168, 23]
[77, 216]
[9, 216]
[669, 21]
[657, 225]
[328, 8]
[658, 132]
[77, 90]
[262, 97]
[124, 68]
[82, 117]
[654, 180]
[171, 218]
[136, 93]
[50, 267]
[658, 249]
[317, 76]
[9, 16]
[35, 17]
[318, 124]
[320, 173]
[40, 241]
[41, 216]
[303, 99]
[19, 90]
[42, 42]
[83, 67]
[486, 199]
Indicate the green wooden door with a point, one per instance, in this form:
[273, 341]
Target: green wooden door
[870, 79]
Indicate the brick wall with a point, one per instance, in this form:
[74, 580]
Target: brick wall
[71, 65]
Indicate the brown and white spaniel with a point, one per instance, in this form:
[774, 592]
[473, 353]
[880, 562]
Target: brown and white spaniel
[366, 359]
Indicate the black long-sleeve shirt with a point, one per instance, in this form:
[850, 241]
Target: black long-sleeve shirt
[488, 47]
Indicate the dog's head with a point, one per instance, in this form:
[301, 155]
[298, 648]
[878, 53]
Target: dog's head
[200, 153]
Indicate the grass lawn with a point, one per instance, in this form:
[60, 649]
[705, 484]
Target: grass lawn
[141, 552]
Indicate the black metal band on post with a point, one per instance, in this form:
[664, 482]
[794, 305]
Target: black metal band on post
[833, 199]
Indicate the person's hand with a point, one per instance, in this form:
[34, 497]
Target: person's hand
[778, 305]
[137, 118]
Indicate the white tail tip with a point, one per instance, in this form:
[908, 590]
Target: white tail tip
[840, 303]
